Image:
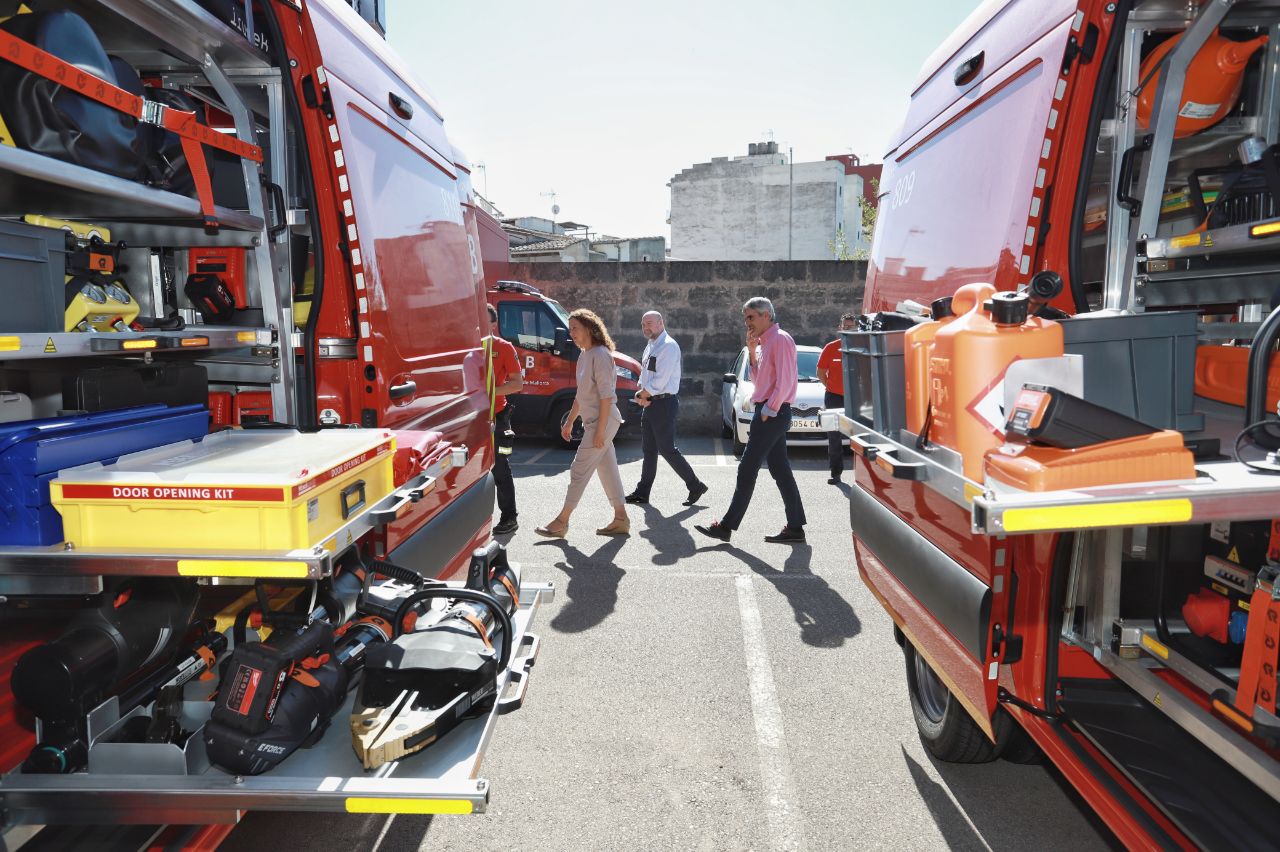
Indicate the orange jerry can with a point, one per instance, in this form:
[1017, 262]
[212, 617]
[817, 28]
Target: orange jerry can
[967, 367]
[918, 344]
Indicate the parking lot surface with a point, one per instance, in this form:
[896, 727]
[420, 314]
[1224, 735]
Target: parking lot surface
[696, 695]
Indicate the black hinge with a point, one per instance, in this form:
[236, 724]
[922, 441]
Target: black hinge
[1082, 48]
[316, 99]
[369, 418]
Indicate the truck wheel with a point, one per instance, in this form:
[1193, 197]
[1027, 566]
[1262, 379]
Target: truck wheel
[738, 447]
[559, 414]
[1018, 746]
[945, 727]
[726, 429]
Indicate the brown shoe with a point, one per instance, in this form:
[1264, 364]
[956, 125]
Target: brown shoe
[550, 531]
[616, 528]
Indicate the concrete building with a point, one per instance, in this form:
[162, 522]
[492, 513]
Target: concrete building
[757, 207]
[859, 181]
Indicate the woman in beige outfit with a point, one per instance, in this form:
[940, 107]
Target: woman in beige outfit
[596, 401]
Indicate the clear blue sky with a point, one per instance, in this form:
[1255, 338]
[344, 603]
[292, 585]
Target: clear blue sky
[605, 102]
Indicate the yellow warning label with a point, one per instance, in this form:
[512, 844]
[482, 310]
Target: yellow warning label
[1234, 555]
[49, 347]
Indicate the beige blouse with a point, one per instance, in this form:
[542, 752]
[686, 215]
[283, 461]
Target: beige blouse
[597, 381]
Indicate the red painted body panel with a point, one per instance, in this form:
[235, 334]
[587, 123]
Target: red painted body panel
[959, 189]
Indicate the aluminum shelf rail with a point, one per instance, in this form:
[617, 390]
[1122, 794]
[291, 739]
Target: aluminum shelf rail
[24, 569]
[1228, 240]
[40, 184]
[175, 28]
[1225, 741]
[198, 338]
[1222, 491]
[327, 777]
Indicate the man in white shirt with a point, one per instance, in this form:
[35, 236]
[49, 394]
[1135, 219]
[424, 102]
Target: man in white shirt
[659, 386]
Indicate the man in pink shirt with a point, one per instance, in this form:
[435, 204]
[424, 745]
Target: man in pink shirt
[773, 366]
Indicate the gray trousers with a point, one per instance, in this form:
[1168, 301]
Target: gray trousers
[602, 461]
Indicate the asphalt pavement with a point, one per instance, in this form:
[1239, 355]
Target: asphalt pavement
[696, 695]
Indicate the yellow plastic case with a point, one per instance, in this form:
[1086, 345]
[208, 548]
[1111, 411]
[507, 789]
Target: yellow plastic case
[267, 490]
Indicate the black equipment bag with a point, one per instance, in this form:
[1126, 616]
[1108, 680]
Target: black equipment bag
[49, 119]
[122, 386]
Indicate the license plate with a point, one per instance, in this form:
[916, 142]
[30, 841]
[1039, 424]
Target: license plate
[804, 423]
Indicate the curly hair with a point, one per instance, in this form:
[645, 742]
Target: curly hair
[595, 326]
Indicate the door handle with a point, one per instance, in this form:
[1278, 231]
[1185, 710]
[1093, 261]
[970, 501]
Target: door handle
[967, 70]
[408, 389]
[402, 107]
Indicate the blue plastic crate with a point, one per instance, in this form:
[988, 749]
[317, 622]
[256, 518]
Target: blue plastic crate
[33, 451]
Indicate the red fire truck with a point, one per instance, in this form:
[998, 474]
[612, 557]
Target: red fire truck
[1067, 477]
[255, 210]
[538, 327]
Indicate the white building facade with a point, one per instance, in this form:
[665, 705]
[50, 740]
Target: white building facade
[760, 207]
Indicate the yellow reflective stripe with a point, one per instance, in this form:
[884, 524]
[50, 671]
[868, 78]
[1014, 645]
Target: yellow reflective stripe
[1155, 647]
[10, 344]
[358, 805]
[241, 568]
[1098, 515]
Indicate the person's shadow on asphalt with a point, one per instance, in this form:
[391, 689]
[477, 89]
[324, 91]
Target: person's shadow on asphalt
[826, 619]
[592, 591]
[669, 536]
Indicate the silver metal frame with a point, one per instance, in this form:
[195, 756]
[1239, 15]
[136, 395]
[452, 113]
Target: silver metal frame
[35, 346]
[19, 565]
[324, 778]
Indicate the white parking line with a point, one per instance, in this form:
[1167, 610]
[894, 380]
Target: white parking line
[785, 829]
[536, 457]
[718, 443]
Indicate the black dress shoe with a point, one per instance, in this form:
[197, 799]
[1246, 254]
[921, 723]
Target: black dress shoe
[834, 479]
[696, 492]
[716, 531]
[789, 535]
[637, 499]
[506, 526]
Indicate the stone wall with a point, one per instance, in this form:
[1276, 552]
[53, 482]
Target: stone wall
[702, 304]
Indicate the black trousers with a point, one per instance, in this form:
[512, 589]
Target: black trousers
[658, 438]
[766, 444]
[502, 479]
[835, 441]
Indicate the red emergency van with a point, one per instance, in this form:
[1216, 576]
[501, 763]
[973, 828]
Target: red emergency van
[1116, 617]
[538, 327]
[259, 209]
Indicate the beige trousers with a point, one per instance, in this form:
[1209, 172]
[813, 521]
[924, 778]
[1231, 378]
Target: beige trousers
[602, 461]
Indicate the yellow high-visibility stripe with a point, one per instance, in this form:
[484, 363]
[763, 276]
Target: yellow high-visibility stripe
[366, 805]
[241, 568]
[1134, 513]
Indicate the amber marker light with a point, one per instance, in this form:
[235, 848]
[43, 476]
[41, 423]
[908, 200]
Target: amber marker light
[195, 341]
[1266, 229]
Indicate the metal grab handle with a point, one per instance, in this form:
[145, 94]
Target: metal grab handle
[408, 389]
[967, 70]
[278, 206]
[1123, 198]
[519, 678]
[404, 499]
[888, 460]
[866, 448]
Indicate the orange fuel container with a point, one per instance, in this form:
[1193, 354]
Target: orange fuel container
[1213, 82]
[918, 345]
[967, 367]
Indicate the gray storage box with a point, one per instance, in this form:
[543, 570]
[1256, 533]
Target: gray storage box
[874, 384]
[32, 264]
[1142, 365]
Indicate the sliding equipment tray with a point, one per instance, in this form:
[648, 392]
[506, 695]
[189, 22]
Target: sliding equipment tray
[441, 779]
[1221, 491]
[63, 569]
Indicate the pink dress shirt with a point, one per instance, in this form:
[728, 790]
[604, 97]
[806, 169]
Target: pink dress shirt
[776, 376]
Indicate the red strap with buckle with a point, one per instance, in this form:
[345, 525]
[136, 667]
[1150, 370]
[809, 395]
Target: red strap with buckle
[1257, 684]
[194, 134]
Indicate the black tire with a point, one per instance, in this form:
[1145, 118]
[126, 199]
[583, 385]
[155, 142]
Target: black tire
[945, 727]
[558, 415]
[726, 429]
[738, 447]
[1018, 746]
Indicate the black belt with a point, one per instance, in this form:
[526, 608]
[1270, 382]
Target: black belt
[657, 396]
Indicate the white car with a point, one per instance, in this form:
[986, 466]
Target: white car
[736, 408]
